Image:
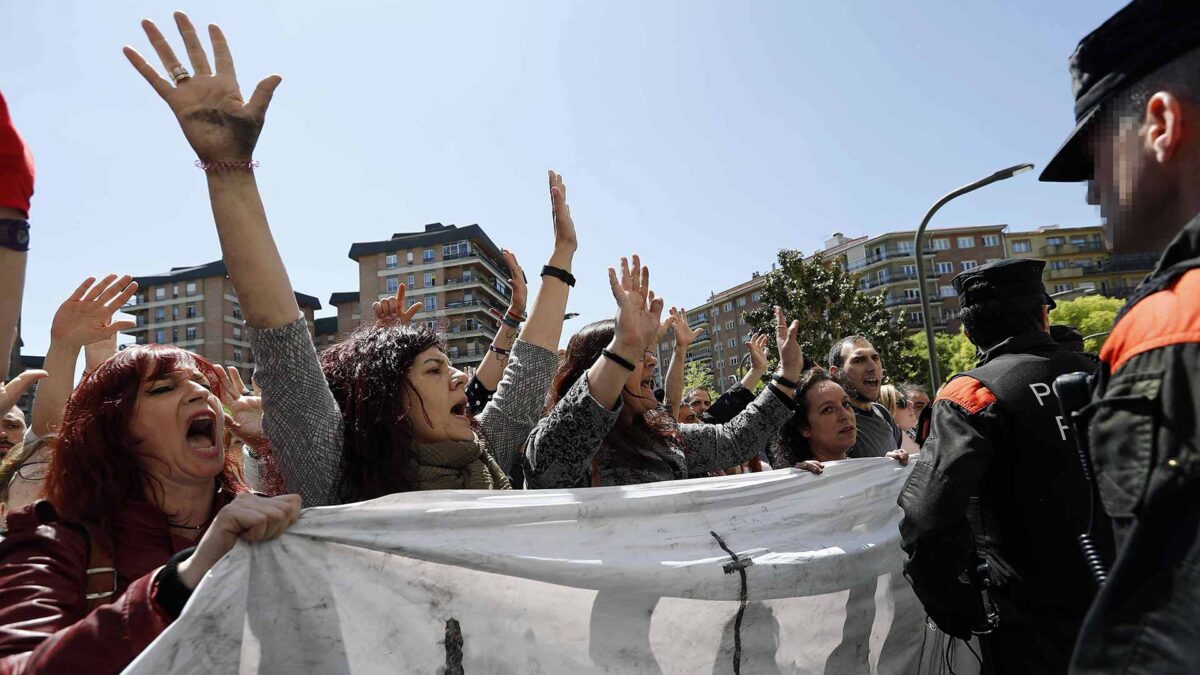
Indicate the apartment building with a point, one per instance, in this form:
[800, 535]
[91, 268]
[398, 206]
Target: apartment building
[1077, 258]
[721, 346]
[456, 273]
[196, 308]
[325, 332]
[349, 313]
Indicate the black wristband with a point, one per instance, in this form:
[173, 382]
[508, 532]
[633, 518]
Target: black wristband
[559, 273]
[170, 593]
[784, 381]
[14, 234]
[784, 398]
[617, 359]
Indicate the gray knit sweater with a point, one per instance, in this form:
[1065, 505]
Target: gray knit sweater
[562, 447]
[304, 424]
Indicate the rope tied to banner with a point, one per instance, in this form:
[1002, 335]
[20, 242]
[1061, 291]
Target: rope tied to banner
[738, 565]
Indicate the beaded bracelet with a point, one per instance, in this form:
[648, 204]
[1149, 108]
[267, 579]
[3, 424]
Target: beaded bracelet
[218, 167]
[501, 352]
[510, 322]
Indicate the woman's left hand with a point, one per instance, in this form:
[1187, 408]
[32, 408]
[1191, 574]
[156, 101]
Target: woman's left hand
[684, 335]
[791, 359]
[218, 123]
[518, 283]
[900, 455]
[245, 408]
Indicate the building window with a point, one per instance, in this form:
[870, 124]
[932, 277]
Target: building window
[160, 293]
[457, 250]
[991, 240]
[190, 311]
[190, 332]
[945, 268]
[175, 335]
[941, 244]
[430, 303]
[733, 361]
[237, 311]
[427, 255]
[237, 332]
[411, 281]
[160, 336]
[728, 325]
[728, 307]
[190, 289]
[160, 314]
[884, 275]
[391, 261]
[969, 265]
[912, 293]
[1022, 246]
[716, 310]
[1055, 241]
[392, 284]
[237, 354]
[1062, 288]
[966, 242]
[916, 317]
[429, 279]
[757, 297]
[948, 292]
[741, 302]
[742, 320]
[905, 246]
[408, 255]
[1059, 264]
[909, 270]
[732, 343]
[454, 351]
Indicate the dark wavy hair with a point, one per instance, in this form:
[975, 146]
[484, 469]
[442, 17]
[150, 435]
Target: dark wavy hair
[583, 349]
[94, 471]
[368, 374]
[790, 446]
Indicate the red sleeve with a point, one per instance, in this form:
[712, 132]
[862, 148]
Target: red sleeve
[44, 624]
[16, 164]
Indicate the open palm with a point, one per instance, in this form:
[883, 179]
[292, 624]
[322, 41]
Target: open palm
[638, 311]
[86, 316]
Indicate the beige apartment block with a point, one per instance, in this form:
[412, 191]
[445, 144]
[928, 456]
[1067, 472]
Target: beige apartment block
[196, 308]
[456, 273]
[1077, 258]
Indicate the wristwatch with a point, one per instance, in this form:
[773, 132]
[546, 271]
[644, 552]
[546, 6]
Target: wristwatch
[14, 234]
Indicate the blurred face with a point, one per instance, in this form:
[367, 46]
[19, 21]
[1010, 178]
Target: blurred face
[832, 429]
[863, 369]
[179, 428]
[25, 486]
[12, 430]
[638, 393]
[1117, 179]
[905, 417]
[701, 401]
[439, 410]
[685, 415]
[918, 401]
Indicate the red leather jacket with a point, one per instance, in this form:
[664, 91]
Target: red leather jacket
[45, 625]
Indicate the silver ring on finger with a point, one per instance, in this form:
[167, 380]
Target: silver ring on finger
[179, 74]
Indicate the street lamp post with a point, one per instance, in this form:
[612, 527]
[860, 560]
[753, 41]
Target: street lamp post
[935, 372]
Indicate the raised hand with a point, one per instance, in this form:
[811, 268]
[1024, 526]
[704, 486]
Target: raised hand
[96, 353]
[638, 311]
[518, 283]
[791, 359]
[244, 407]
[11, 393]
[684, 335]
[564, 227]
[218, 123]
[757, 345]
[666, 325]
[248, 517]
[392, 309]
[86, 316]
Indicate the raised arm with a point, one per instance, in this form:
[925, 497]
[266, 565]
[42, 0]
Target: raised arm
[544, 327]
[16, 189]
[85, 317]
[638, 314]
[223, 129]
[684, 337]
[492, 367]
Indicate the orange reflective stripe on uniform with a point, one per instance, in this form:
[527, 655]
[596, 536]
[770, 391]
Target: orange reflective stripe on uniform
[1168, 317]
[967, 392]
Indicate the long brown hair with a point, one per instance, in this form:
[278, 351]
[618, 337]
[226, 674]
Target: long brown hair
[583, 349]
[94, 471]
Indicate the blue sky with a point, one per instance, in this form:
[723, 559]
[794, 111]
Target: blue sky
[703, 135]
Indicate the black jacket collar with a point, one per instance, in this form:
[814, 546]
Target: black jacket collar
[1034, 342]
[1181, 255]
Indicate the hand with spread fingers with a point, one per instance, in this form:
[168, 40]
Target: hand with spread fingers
[684, 335]
[791, 359]
[392, 309]
[219, 124]
[638, 311]
[86, 316]
[244, 407]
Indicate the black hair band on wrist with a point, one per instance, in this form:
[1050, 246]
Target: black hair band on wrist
[617, 359]
[559, 273]
[170, 593]
[14, 234]
[497, 350]
[784, 381]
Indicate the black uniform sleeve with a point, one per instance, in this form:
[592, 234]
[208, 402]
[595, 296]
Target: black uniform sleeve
[728, 405]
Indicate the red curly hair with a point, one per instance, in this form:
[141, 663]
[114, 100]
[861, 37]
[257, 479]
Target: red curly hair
[94, 471]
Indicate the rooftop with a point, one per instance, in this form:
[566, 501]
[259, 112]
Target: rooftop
[432, 235]
[325, 325]
[213, 269]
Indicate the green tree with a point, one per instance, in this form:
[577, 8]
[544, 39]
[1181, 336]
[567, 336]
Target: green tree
[696, 374]
[1089, 314]
[955, 354]
[829, 303]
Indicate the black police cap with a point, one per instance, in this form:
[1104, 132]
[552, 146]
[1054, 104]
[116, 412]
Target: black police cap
[1001, 279]
[1144, 35]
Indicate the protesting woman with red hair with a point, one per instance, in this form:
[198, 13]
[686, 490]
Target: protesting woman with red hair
[383, 411]
[141, 501]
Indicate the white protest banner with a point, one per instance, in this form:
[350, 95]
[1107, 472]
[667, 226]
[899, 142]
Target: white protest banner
[631, 579]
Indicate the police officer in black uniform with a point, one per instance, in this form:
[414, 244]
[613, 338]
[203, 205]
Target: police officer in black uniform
[993, 509]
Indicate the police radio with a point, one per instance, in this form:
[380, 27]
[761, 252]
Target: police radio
[1074, 392]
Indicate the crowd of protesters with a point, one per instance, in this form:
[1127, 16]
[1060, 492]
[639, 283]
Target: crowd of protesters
[124, 489]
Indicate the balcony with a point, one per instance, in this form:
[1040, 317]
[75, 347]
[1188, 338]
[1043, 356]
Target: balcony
[1132, 262]
[938, 322]
[1073, 248]
[1121, 292]
[899, 300]
[882, 256]
[1066, 272]
[699, 321]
